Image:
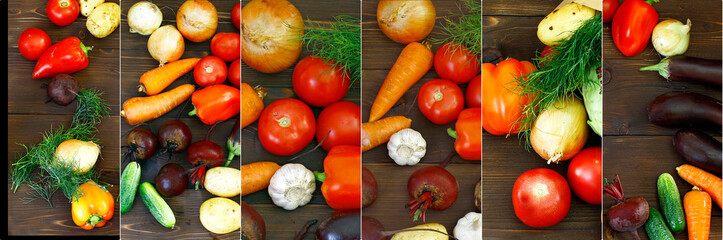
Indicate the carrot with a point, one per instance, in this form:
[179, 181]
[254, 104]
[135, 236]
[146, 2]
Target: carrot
[702, 179]
[378, 132]
[411, 65]
[256, 176]
[252, 103]
[142, 109]
[154, 81]
[697, 206]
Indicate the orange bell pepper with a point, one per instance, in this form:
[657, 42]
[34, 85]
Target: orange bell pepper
[501, 105]
[468, 132]
[93, 208]
[216, 103]
[341, 178]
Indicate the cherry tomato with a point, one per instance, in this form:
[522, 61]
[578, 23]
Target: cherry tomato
[62, 12]
[440, 100]
[236, 15]
[209, 71]
[286, 126]
[234, 73]
[227, 46]
[315, 83]
[609, 8]
[541, 198]
[473, 94]
[33, 42]
[342, 121]
[458, 65]
[585, 175]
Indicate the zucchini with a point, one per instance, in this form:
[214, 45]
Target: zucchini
[670, 203]
[130, 179]
[157, 206]
[655, 226]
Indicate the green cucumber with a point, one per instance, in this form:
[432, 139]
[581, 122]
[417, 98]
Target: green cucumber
[656, 228]
[670, 203]
[130, 179]
[157, 206]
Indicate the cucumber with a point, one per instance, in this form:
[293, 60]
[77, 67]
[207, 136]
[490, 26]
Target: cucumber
[670, 203]
[130, 179]
[656, 228]
[157, 206]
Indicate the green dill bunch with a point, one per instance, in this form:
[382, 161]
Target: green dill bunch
[464, 28]
[338, 43]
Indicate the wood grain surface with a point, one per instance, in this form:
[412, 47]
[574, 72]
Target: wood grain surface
[29, 116]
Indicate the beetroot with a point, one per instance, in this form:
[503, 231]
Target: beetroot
[626, 215]
[171, 180]
[204, 154]
[431, 187]
[174, 136]
[369, 188]
[141, 144]
[62, 89]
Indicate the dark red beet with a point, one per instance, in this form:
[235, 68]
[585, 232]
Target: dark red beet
[431, 187]
[626, 215]
[205, 154]
[171, 180]
[253, 226]
[372, 229]
[62, 89]
[369, 188]
[142, 144]
[174, 136]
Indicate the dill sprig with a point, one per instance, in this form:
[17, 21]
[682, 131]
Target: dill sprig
[50, 177]
[464, 28]
[339, 43]
[562, 73]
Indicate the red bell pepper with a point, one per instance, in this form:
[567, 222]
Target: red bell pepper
[216, 103]
[67, 56]
[468, 134]
[633, 24]
[341, 178]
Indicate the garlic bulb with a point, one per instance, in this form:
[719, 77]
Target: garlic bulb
[79, 155]
[407, 147]
[292, 186]
[560, 130]
[469, 227]
[144, 17]
[671, 37]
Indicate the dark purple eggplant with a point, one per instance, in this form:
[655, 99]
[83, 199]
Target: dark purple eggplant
[679, 109]
[699, 149]
[234, 142]
[253, 226]
[341, 225]
[689, 69]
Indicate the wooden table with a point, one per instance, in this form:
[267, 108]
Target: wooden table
[29, 116]
[511, 27]
[280, 223]
[633, 147]
[379, 54]
[138, 223]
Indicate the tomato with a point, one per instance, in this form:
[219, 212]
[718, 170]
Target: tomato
[458, 65]
[632, 26]
[473, 94]
[342, 121]
[209, 71]
[234, 73]
[609, 8]
[546, 52]
[585, 175]
[315, 83]
[286, 126]
[62, 12]
[227, 46]
[541, 198]
[33, 42]
[440, 100]
[236, 15]
[501, 105]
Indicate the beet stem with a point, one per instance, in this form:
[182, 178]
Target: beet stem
[305, 229]
[208, 133]
[307, 152]
[446, 161]
[635, 234]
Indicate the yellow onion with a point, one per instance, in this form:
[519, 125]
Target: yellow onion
[270, 35]
[166, 44]
[560, 130]
[671, 37]
[197, 20]
[406, 21]
[79, 155]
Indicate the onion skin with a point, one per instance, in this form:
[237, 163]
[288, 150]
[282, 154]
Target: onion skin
[267, 43]
[148, 14]
[166, 44]
[197, 20]
[560, 130]
[406, 21]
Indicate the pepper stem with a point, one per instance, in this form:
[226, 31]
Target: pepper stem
[192, 112]
[452, 133]
[320, 176]
[651, 1]
[85, 48]
[95, 219]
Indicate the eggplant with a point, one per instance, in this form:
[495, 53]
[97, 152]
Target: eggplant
[689, 69]
[253, 226]
[699, 149]
[233, 142]
[342, 225]
[679, 109]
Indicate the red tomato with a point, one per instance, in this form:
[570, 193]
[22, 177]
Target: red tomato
[286, 126]
[585, 175]
[316, 84]
[209, 71]
[236, 15]
[227, 46]
[609, 8]
[458, 65]
[473, 94]
[62, 12]
[541, 198]
[342, 121]
[234, 73]
[546, 52]
[33, 42]
[440, 100]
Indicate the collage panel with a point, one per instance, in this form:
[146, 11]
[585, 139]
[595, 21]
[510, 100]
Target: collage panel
[178, 114]
[63, 119]
[541, 108]
[660, 133]
[301, 119]
[418, 91]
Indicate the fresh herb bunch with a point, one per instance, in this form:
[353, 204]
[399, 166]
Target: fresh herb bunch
[91, 109]
[338, 43]
[466, 30]
[562, 73]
